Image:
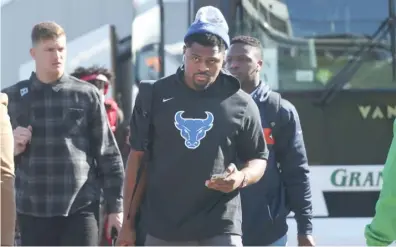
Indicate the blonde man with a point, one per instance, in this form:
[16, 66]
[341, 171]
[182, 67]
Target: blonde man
[62, 142]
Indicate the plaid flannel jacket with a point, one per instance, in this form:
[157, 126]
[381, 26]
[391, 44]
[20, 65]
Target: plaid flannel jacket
[72, 154]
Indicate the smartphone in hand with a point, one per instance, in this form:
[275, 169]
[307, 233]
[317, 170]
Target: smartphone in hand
[218, 176]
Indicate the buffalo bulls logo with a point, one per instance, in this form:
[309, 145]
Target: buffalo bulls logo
[193, 130]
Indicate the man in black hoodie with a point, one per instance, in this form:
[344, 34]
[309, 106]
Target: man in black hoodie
[202, 122]
[285, 185]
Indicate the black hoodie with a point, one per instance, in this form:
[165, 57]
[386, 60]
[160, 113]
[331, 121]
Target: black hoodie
[196, 134]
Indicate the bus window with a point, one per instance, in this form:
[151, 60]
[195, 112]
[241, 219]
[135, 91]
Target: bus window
[315, 39]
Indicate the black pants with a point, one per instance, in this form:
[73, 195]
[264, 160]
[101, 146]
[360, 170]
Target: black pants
[78, 229]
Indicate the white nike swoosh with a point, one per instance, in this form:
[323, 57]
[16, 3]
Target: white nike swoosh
[164, 100]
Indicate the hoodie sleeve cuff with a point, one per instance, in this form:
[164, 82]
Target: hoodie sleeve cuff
[304, 226]
[115, 207]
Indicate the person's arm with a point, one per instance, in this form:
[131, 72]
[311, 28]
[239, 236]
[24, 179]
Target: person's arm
[291, 155]
[7, 190]
[251, 146]
[382, 230]
[135, 162]
[139, 141]
[107, 155]
[6, 140]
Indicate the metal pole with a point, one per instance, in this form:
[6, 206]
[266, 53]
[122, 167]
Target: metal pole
[392, 32]
[161, 49]
[191, 12]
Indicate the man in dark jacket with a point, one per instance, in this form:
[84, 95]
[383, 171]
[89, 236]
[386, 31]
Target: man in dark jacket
[285, 185]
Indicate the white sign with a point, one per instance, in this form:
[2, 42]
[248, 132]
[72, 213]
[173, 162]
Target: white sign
[342, 178]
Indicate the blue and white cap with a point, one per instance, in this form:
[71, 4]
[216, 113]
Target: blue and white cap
[210, 20]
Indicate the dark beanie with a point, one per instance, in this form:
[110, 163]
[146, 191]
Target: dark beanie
[210, 20]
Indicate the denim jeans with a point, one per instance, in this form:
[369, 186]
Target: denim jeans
[280, 242]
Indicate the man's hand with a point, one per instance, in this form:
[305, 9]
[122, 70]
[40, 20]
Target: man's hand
[231, 182]
[22, 137]
[114, 220]
[126, 236]
[305, 240]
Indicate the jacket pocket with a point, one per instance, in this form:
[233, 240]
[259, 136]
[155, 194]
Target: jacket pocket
[73, 119]
[257, 209]
[277, 204]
